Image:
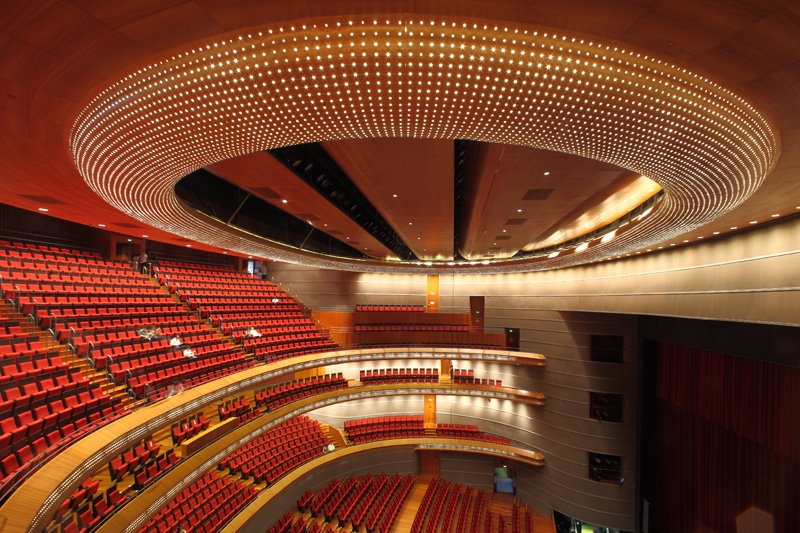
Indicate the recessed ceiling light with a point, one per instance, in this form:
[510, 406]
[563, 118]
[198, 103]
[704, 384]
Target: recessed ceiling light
[145, 236]
[776, 215]
[394, 196]
[672, 244]
[519, 210]
[188, 245]
[410, 223]
[660, 247]
[285, 201]
[716, 233]
[700, 237]
[419, 238]
[325, 225]
[43, 209]
[249, 256]
[754, 221]
[504, 231]
[102, 225]
[348, 238]
[546, 173]
[224, 253]
[686, 240]
[734, 227]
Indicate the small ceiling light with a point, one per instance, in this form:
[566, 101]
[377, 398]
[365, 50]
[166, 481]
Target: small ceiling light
[734, 227]
[188, 245]
[546, 173]
[43, 209]
[145, 236]
[102, 225]
[776, 215]
[754, 221]
[394, 196]
[519, 210]
[224, 253]
[716, 233]
[285, 201]
[686, 240]
[410, 223]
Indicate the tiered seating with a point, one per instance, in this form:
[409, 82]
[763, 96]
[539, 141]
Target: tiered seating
[278, 451]
[385, 427]
[468, 376]
[44, 404]
[458, 431]
[188, 428]
[461, 520]
[237, 302]
[399, 375]
[390, 308]
[278, 395]
[411, 327]
[205, 506]
[212, 361]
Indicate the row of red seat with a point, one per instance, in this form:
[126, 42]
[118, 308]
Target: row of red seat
[426, 503]
[128, 460]
[382, 515]
[459, 431]
[146, 473]
[189, 427]
[278, 450]
[390, 308]
[27, 345]
[450, 509]
[398, 375]
[430, 345]
[276, 396]
[385, 427]
[233, 408]
[203, 507]
[29, 366]
[239, 330]
[411, 327]
[33, 249]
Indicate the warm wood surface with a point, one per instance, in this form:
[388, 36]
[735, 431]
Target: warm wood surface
[58, 54]
[32, 504]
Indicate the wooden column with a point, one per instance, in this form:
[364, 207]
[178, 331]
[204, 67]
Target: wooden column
[432, 297]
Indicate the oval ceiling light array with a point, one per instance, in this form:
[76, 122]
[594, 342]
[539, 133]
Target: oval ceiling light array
[325, 79]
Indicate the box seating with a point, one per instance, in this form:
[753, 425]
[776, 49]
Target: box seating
[385, 427]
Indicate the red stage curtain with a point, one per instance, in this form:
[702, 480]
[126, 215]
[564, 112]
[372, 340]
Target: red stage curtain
[726, 441]
[754, 399]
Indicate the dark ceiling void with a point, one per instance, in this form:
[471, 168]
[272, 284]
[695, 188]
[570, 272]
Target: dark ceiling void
[459, 179]
[312, 164]
[233, 206]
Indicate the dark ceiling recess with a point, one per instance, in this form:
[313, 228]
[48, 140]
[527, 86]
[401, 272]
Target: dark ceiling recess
[459, 177]
[538, 194]
[312, 164]
[226, 202]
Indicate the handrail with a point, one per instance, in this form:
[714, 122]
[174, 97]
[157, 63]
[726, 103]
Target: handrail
[17, 292]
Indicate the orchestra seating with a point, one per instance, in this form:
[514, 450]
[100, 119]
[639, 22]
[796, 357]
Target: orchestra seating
[237, 302]
[411, 327]
[205, 506]
[367, 500]
[390, 308]
[278, 395]
[468, 376]
[459, 431]
[385, 427]
[278, 451]
[399, 375]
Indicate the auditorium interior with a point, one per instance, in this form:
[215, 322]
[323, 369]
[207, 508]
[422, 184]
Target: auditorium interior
[395, 266]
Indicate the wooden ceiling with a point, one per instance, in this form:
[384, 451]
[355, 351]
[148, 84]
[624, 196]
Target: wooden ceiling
[55, 56]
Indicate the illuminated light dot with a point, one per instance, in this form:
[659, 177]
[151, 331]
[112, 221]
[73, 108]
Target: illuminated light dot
[43, 209]
[284, 201]
[734, 227]
[716, 233]
[776, 215]
[102, 225]
[754, 222]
